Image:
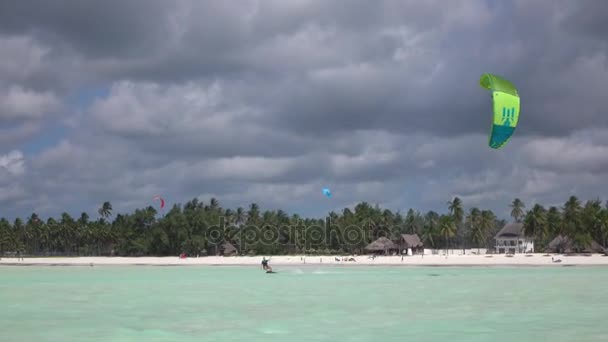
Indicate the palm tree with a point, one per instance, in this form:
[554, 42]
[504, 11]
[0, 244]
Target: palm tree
[105, 210]
[535, 223]
[517, 209]
[554, 222]
[253, 215]
[229, 214]
[7, 238]
[474, 226]
[19, 233]
[140, 233]
[592, 219]
[487, 223]
[410, 222]
[282, 216]
[427, 235]
[604, 227]
[571, 216]
[84, 219]
[214, 204]
[67, 233]
[457, 212]
[447, 229]
[240, 216]
[430, 228]
[32, 233]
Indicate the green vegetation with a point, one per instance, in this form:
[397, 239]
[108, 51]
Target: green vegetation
[198, 228]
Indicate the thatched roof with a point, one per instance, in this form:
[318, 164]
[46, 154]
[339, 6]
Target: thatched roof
[382, 244]
[411, 240]
[510, 230]
[565, 245]
[228, 248]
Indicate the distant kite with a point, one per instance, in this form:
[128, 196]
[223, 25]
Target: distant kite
[162, 201]
[505, 107]
[327, 192]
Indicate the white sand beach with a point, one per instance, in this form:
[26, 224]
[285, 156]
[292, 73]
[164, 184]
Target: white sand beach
[537, 259]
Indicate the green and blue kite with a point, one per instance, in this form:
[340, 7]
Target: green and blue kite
[506, 108]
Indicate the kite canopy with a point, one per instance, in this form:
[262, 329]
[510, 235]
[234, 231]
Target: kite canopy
[505, 107]
[327, 192]
[162, 201]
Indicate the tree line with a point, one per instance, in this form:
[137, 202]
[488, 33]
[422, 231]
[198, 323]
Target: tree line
[198, 228]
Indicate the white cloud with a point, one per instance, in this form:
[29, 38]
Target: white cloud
[19, 103]
[153, 110]
[10, 193]
[247, 168]
[20, 57]
[13, 163]
[571, 154]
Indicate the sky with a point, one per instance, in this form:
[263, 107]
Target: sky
[271, 101]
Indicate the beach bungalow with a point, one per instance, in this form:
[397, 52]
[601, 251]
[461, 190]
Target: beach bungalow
[410, 244]
[563, 244]
[510, 240]
[382, 246]
[227, 249]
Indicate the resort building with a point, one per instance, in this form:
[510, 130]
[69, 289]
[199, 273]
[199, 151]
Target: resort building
[382, 246]
[563, 244]
[410, 244]
[510, 240]
[227, 249]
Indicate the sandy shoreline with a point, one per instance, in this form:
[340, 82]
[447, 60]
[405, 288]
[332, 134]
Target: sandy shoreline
[417, 260]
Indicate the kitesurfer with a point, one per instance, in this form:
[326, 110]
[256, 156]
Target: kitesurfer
[265, 265]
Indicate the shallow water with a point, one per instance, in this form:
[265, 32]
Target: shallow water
[310, 303]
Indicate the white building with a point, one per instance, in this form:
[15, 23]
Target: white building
[510, 240]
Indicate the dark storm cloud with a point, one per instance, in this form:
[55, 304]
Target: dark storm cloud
[558, 84]
[589, 20]
[110, 28]
[338, 67]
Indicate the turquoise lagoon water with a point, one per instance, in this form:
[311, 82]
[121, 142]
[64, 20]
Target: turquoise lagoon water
[309, 303]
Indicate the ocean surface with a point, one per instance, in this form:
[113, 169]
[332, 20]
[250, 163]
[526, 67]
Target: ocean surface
[307, 303]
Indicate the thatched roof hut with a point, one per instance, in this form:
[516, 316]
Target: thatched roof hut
[227, 249]
[563, 244]
[381, 245]
[510, 230]
[410, 241]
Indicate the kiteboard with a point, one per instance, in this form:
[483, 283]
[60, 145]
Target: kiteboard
[271, 272]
